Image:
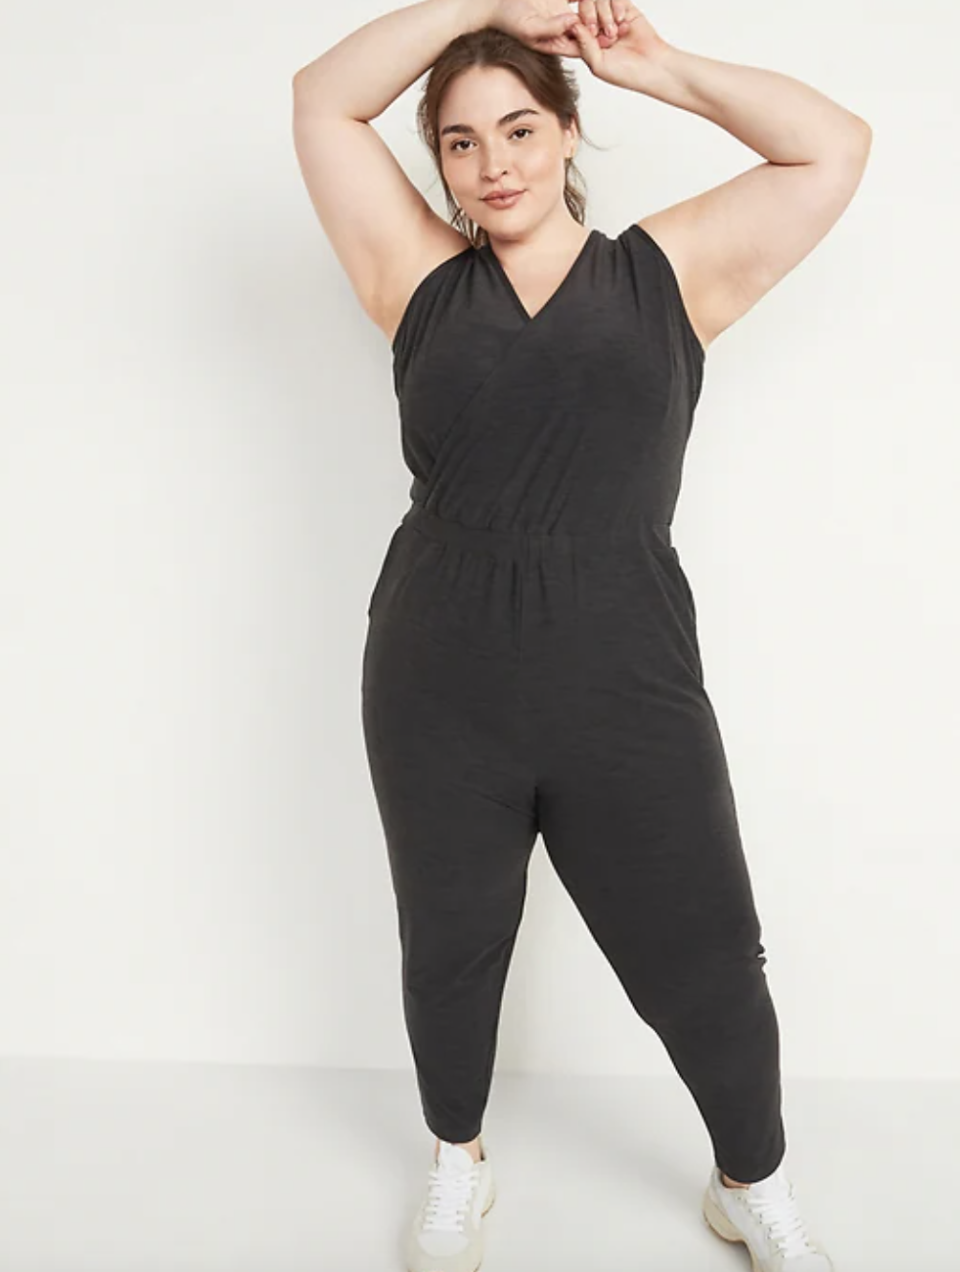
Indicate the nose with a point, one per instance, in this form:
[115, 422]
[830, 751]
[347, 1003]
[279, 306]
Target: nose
[493, 168]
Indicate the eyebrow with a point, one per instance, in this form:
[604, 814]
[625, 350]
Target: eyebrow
[507, 119]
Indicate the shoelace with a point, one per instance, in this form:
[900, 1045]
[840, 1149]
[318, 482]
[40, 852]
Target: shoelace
[448, 1195]
[781, 1217]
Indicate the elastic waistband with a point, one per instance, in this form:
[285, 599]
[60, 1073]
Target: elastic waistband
[650, 533]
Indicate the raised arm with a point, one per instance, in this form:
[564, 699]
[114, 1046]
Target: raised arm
[376, 219]
[733, 243]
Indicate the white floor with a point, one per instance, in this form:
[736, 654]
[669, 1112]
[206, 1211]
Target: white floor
[184, 1168]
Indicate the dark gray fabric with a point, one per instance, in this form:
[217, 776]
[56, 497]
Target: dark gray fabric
[532, 666]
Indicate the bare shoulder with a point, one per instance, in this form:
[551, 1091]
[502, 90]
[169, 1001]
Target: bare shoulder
[434, 244]
[731, 244]
[671, 231]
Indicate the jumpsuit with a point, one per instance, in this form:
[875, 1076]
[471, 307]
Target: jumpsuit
[531, 666]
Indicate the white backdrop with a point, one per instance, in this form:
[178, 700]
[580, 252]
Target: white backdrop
[200, 470]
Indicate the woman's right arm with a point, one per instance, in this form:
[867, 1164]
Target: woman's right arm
[379, 224]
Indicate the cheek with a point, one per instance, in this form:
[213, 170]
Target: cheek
[454, 179]
[542, 166]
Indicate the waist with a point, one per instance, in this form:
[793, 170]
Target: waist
[653, 534]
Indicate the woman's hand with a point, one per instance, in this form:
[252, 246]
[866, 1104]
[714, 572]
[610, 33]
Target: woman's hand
[540, 24]
[611, 36]
[622, 57]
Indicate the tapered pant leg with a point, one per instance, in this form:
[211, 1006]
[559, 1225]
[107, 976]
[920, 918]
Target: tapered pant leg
[638, 817]
[456, 801]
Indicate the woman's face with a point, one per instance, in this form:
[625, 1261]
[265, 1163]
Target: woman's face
[486, 151]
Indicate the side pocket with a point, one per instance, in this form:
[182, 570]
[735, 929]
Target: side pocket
[683, 603]
[670, 560]
[688, 591]
[382, 574]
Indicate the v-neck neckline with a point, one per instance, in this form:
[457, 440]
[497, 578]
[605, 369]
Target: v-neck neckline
[512, 291]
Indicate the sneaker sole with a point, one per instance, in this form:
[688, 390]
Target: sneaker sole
[718, 1222]
[483, 1213]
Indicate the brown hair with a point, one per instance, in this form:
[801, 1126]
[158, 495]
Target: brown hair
[549, 82]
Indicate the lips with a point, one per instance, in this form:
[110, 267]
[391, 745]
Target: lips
[503, 203]
[501, 194]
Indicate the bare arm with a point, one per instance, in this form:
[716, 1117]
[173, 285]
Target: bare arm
[368, 70]
[380, 226]
[781, 118]
[732, 244]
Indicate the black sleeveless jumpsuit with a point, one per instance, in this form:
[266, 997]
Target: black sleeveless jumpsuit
[532, 667]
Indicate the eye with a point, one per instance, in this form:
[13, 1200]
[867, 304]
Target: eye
[457, 144]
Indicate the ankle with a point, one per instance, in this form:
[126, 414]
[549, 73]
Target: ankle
[731, 1183]
[473, 1147]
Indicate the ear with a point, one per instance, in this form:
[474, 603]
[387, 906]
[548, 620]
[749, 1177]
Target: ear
[573, 139]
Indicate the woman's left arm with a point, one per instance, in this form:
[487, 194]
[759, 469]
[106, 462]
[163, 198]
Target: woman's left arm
[779, 117]
[731, 244]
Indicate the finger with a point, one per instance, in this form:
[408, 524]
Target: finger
[556, 25]
[622, 16]
[605, 15]
[570, 49]
[588, 15]
[561, 45]
[588, 44]
[550, 41]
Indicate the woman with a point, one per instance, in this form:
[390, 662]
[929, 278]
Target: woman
[532, 663]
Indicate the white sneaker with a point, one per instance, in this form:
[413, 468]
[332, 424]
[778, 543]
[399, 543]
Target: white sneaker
[446, 1234]
[766, 1218]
